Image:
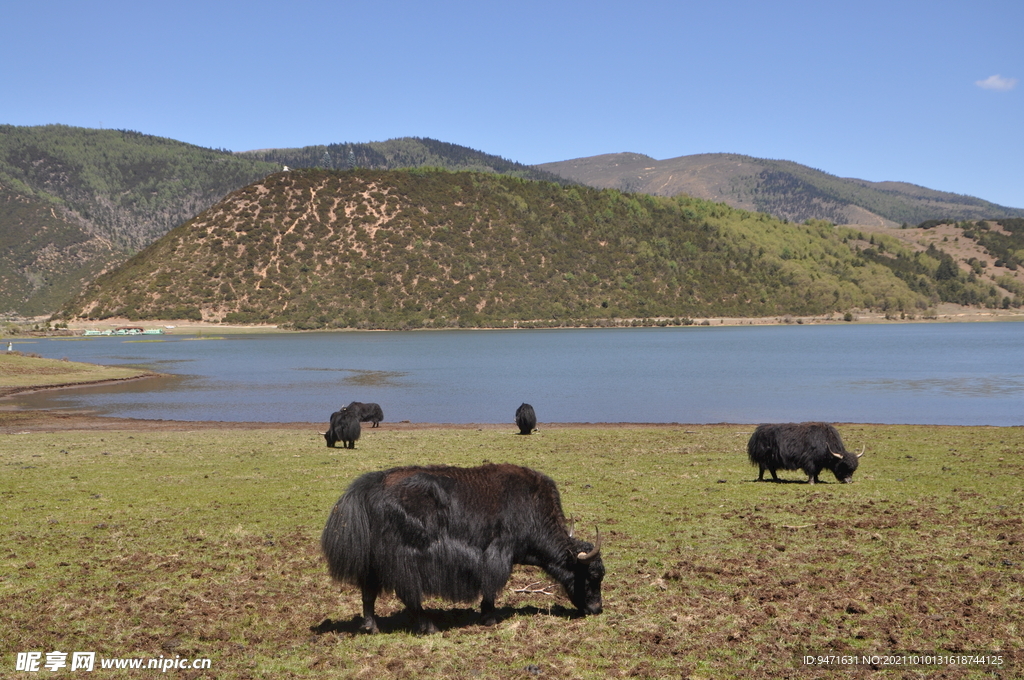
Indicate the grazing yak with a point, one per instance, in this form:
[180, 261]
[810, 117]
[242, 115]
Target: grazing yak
[526, 419]
[344, 428]
[455, 533]
[368, 413]
[811, 447]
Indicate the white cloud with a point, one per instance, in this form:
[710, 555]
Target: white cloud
[997, 82]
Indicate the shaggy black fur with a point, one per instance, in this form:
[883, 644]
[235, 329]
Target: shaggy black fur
[526, 419]
[368, 412]
[811, 447]
[345, 428]
[454, 533]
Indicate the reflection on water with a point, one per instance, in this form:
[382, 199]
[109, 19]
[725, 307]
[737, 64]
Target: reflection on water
[967, 386]
[361, 378]
[957, 374]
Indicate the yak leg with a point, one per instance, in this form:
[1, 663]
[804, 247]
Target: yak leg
[369, 600]
[421, 623]
[488, 617]
[497, 568]
[412, 598]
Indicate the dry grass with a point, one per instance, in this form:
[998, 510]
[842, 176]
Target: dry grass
[205, 544]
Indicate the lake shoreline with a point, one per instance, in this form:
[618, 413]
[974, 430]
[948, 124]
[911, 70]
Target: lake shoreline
[944, 313]
[29, 421]
[29, 389]
[40, 421]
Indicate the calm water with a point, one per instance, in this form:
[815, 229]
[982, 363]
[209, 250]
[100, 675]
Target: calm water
[964, 374]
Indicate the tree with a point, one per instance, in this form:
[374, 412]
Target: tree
[947, 269]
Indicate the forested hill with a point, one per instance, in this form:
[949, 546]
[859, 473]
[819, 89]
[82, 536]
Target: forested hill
[405, 152]
[784, 189]
[431, 248]
[124, 186]
[75, 201]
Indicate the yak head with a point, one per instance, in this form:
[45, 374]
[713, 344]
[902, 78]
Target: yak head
[588, 572]
[845, 464]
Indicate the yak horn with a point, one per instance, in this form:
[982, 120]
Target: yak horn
[863, 446]
[572, 527]
[837, 455]
[588, 557]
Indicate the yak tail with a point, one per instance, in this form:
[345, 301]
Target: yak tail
[348, 539]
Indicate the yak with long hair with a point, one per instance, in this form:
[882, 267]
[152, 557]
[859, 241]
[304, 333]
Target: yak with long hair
[368, 412]
[811, 447]
[455, 533]
[526, 419]
[344, 428]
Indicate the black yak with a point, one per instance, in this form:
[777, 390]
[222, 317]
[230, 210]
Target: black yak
[455, 533]
[368, 412]
[526, 419]
[344, 428]
[811, 447]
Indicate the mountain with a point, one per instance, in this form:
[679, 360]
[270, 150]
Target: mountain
[431, 248]
[405, 152]
[43, 255]
[783, 189]
[75, 201]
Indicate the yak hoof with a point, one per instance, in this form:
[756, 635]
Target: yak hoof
[426, 627]
[490, 619]
[369, 625]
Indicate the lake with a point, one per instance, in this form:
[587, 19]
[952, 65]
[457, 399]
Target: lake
[943, 373]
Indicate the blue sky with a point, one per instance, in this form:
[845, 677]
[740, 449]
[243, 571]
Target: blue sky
[925, 92]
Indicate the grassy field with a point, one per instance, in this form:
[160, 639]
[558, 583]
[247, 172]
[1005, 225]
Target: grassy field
[19, 371]
[204, 544]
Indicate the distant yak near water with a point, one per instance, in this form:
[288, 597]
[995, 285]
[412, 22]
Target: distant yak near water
[526, 419]
[368, 412]
[811, 447]
[344, 428]
[455, 533]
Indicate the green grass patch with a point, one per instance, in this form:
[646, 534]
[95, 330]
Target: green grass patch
[18, 371]
[206, 544]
